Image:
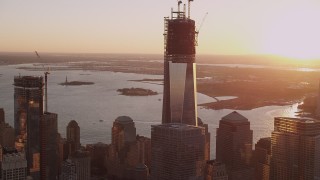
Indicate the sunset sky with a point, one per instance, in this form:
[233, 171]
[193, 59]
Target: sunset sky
[282, 27]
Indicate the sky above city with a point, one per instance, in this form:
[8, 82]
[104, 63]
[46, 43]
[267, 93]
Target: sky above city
[288, 28]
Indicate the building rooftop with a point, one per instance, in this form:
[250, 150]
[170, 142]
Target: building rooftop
[299, 120]
[73, 123]
[234, 117]
[176, 126]
[123, 119]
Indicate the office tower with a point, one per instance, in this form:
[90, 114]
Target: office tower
[123, 132]
[128, 152]
[7, 136]
[14, 165]
[98, 153]
[261, 159]
[295, 152]
[28, 108]
[68, 170]
[73, 134]
[234, 146]
[215, 171]
[207, 139]
[177, 151]
[179, 94]
[81, 159]
[2, 118]
[49, 146]
[317, 110]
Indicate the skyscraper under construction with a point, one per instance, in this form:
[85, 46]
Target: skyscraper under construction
[179, 94]
[28, 108]
[179, 147]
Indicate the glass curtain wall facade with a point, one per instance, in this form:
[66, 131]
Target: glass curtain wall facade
[28, 108]
[179, 97]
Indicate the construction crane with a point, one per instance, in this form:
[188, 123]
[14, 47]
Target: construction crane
[202, 21]
[189, 4]
[46, 72]
[200, 26]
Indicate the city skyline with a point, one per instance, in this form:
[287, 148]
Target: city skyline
[147, 147]
[283, 28]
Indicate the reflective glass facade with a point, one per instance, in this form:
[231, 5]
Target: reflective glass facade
[179, 97]
[295, 149]
[28, 108]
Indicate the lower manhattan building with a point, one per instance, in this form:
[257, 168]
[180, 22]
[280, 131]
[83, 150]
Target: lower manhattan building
[13, 165]
[295, 149]
[82, 162]
[128, 155]
[68, 170]
[261, 159]
[215, 171]
[2, 118]
[7, 134]
[234, 146]
[49, 150]
[28, 108]
[177, 152]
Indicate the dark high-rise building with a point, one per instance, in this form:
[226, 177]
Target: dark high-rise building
[234, 146]
[7, 135]
[13, 165]
[49, 157]
[68, 171]
[179, 147]
[179, 94]
[81, 159]
[2, 119]
[215, 171]
[28, 108]
[295, 149]
[123, 132]
[73, 134]
[129, 154]
[177, 152]
[261, 159]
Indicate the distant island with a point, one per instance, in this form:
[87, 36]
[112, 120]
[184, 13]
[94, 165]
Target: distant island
[75, 83]
[136, 92]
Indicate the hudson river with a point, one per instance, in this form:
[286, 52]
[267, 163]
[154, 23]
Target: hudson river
[89, 104]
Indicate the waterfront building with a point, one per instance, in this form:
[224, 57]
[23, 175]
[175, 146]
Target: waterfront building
[295, 152]
[49, 157]
[13, 165]
[2, 117]
[128, 152]
[207, 139]
[7, 136]
[177, 152]
[68, 170]
[123, 132]
[28, 108]
[234, 146]
[215, 171]
[73, 134]
[261, 159]
[317, 108]
[179, 93]
[98, 153]
[82, 162]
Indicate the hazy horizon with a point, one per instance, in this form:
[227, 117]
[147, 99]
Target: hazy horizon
[243, 27]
